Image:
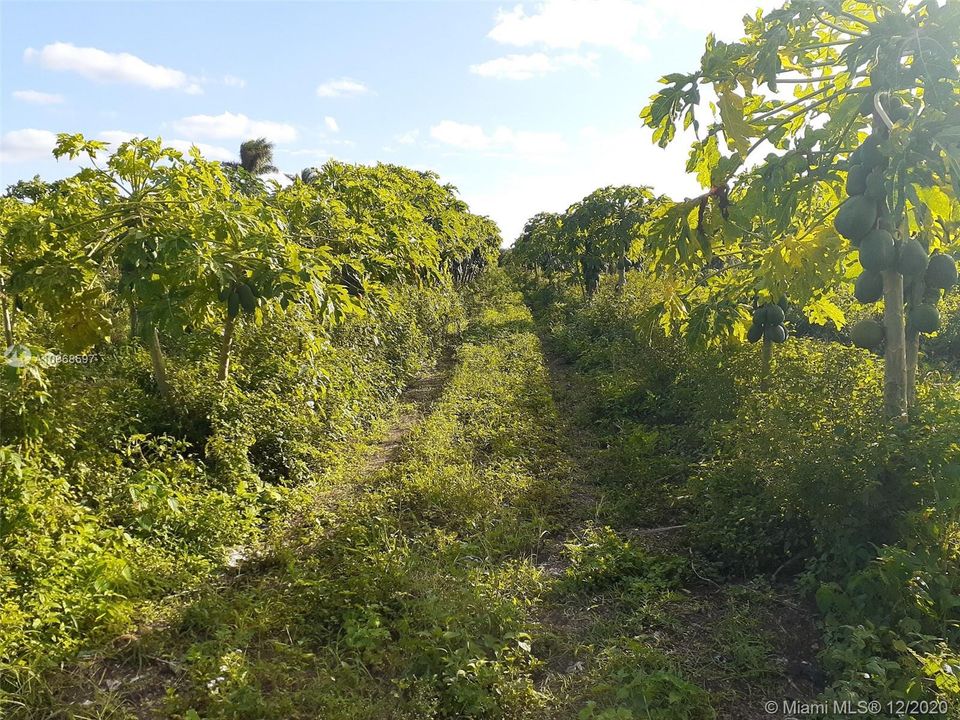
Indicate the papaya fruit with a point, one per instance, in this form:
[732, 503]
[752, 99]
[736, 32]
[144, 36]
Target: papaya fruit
[247, 299]
[867, 334]
[913, 258]
[759, 315]
[855, 218]
[941, 272]
[868, 287]
[773, 315]
[923, 318]
[225, 293]
[775, 333]
[877, 251]
[856, 180]
[870, 153]
[783, 303]
[876, 185]
[233, 304]
[754, 333]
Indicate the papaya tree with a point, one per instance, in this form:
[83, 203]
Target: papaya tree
[537, 248]
[826, 124]
[625, 211]
[163, 235]
[599, 232]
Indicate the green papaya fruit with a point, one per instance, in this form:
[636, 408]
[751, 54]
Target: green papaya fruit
[775, 333]
[247, 300]
[870, 153]
[784, 303]
[923, 318]
[913, 258]
[877, 251]
[773, 315]
[876, 185]
[856, 180]
[867, 334]
[869, 287]
[856, 217]
[754, 333]
[225, 293]
[233, 304]
[941, 272]
[759, 315]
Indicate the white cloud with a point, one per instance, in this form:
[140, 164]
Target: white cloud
[524, 67]
[622, 25]
[723, 19]
[467, 137]
[331, 124]
[26, 144]
[234, 81]
[344, 87]
[102, 66]
[235, 126]
[37, 98]
[572, 24]
[407, 138]
[501, 140]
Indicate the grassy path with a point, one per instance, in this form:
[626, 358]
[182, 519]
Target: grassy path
[640, 624]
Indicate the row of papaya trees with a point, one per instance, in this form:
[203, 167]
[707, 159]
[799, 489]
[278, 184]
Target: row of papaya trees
[172, 244]
[599, 234]
[826, 124]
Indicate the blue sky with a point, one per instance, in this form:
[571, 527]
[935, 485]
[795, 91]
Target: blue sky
[525, 107]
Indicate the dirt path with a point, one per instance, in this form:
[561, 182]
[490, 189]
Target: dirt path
[414, 403]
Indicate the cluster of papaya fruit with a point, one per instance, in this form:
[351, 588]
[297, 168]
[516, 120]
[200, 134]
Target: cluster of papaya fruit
[239, 295]
[768, 323]
[865, 220]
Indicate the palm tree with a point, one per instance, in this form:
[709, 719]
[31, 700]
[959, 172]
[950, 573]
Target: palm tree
[307, 175]
[256, 157]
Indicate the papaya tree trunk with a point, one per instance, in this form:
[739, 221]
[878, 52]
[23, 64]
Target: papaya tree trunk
[134, 323]
[621, 274]
[226, 345]
[159, 365]
[766, 362]
[895, 358]
[7, 316]
[7, 322]
[912, 339]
